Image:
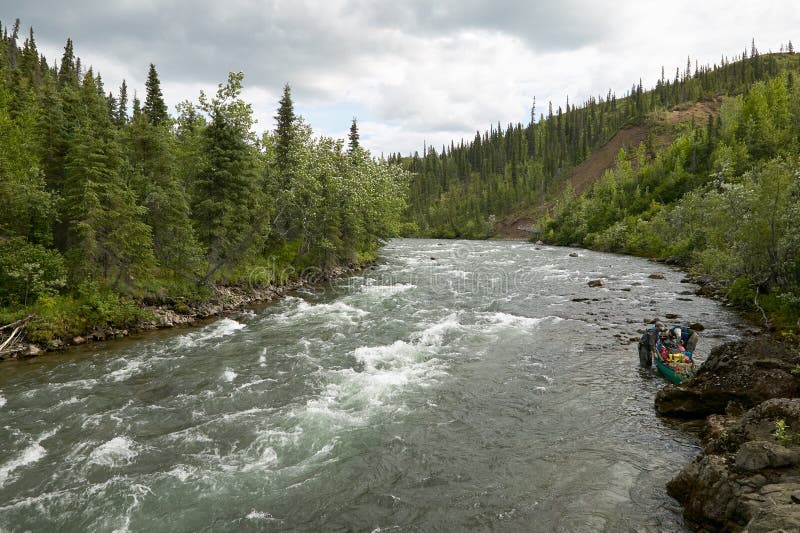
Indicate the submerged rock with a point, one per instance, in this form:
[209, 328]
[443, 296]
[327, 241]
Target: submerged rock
[597, 283]
[657, 275]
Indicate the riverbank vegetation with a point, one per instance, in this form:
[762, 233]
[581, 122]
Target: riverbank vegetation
[109, 201]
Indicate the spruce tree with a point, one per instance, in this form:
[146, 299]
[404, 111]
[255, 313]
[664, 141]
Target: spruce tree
[229, 204]
[107, 239]
[154, 179]
[67, 73]
[353, 137]
[284, 130]
[122, 104]
[154, 107]
[113, 109]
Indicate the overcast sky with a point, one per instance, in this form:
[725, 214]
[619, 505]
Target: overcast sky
[410, 71]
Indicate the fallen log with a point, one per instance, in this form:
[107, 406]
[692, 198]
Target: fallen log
[16, 333]
[19, 322]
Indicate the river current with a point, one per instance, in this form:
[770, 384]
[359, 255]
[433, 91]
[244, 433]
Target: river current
[457, 385]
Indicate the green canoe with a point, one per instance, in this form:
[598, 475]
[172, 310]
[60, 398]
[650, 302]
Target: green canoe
[674, 372]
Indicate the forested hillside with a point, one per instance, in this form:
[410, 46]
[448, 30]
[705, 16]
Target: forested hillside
[463, 189]
[108, 200]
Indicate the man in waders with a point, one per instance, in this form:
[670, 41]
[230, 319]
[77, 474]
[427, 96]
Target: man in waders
[649, 343]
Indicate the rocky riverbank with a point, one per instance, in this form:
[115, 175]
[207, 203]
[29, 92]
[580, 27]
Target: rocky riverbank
[223, 300]
[747, 478]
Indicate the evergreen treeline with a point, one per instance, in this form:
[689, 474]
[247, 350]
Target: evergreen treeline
[724, 197]
[463, 189]
[107, 200]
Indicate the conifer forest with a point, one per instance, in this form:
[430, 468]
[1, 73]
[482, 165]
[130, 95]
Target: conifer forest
[109, 200]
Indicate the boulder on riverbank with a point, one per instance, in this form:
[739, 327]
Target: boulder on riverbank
[748, 476]
[743, 373]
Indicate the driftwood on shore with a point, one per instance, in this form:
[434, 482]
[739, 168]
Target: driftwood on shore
[10, 344]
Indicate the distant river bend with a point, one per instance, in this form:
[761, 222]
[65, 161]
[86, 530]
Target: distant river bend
[457, 386]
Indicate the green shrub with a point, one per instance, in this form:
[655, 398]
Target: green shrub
[65, 316]
[741, 294]
[28, 271]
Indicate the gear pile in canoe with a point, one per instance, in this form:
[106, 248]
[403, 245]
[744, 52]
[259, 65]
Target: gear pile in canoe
[674, 362]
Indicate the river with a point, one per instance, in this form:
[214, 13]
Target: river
[458, 385]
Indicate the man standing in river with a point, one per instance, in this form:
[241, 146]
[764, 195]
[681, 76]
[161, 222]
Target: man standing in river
[648, 344]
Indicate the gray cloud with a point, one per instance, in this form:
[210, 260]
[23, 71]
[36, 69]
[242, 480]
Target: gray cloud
[548, 26]
[413, 69]
[277, 41]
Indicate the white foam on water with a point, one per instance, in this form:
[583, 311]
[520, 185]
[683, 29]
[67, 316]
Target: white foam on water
[131, 368]
[435, 334]
[461, 274]
[328, 408]
[548, 267]
[229, 375]
[303, 310]
[70, 401]
[396, 355]
[266, 457]
[258, 515]
[217, 330]
[182, 472]
[551, 277]
[278, 437]
[2, 399]
[116, 415]
[256, 382]
[500, 320]
[387, 290]
[191, 435]
[78, 383]
[352, 396]
[116, 452]
[137, 493]
[31, 454]
[247, 412]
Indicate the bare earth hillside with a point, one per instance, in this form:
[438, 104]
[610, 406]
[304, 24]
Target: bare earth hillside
[584, 175]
